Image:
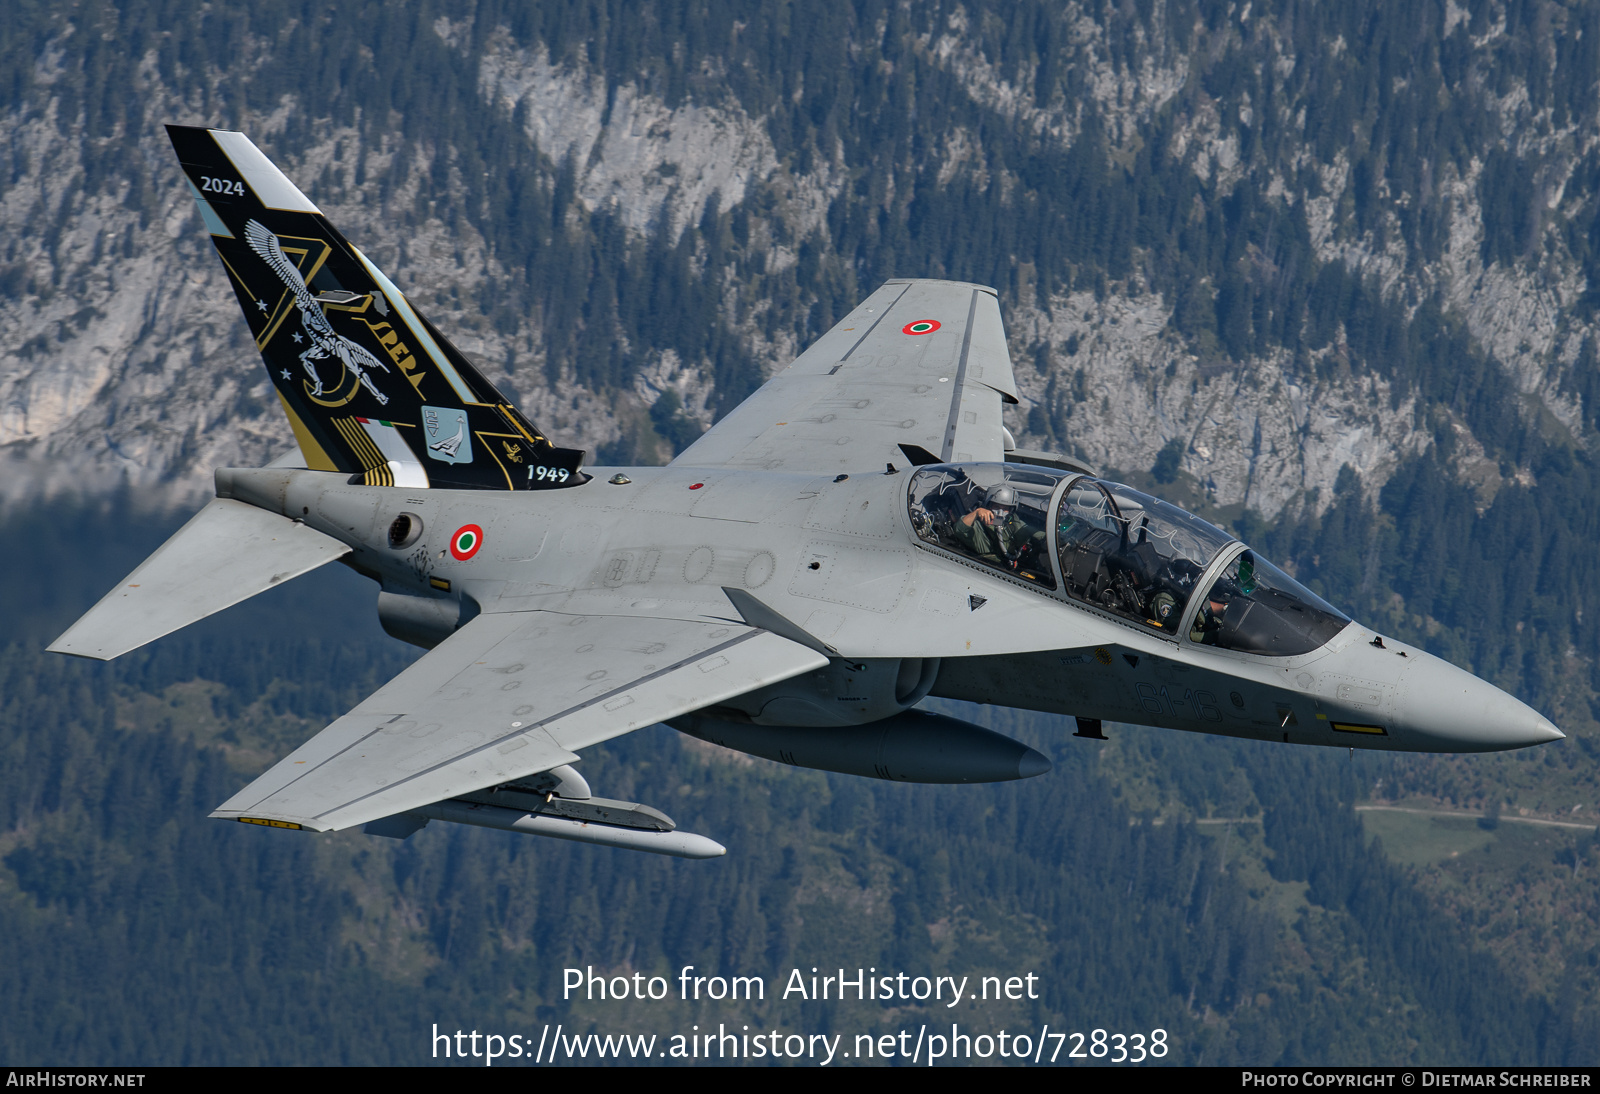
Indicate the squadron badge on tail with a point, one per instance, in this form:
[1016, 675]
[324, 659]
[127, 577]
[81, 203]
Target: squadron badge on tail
[325, 343]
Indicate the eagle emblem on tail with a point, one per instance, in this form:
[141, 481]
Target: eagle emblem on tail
[326, 343]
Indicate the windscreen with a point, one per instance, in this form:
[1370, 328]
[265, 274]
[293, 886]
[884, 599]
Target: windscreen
[1254, 607]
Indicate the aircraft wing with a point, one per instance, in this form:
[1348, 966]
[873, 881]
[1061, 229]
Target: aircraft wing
[505, 697]
[920, 363]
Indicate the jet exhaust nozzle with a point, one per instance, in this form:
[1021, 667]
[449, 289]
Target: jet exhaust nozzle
[913, 746]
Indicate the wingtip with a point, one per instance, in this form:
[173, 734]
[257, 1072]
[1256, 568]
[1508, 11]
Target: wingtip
[62, 646]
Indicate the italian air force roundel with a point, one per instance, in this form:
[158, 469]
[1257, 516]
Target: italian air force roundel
[465, 543]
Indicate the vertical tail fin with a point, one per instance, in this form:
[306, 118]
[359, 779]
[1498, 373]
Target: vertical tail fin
[369, 385]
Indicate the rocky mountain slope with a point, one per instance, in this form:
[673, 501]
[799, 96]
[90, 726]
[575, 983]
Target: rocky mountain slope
[121, 359]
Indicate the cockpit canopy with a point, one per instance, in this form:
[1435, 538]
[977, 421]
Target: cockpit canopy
[1131, 554]
[1121, 551]
[992, 513]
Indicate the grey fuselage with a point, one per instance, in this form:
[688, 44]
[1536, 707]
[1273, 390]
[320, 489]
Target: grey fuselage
[839, 559]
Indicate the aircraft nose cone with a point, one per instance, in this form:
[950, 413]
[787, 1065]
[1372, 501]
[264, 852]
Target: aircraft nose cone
[1452, 710]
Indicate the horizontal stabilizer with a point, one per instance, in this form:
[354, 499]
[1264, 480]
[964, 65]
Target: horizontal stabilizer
[227, 553]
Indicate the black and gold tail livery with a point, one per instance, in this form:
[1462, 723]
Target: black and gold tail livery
[370, 386]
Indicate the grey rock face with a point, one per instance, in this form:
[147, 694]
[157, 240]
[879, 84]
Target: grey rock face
[121, 357]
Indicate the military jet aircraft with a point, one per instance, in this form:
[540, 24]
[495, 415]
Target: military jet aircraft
[860, 534]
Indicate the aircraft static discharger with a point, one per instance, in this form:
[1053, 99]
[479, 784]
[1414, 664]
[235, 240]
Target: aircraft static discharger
[860, 534]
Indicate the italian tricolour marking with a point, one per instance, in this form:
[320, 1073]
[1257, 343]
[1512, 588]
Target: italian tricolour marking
[920, 326]
[465, 543]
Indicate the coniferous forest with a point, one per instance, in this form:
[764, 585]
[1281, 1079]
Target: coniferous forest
[1260, 904]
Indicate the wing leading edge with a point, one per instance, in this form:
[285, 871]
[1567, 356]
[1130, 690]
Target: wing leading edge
[505, 697]
[919, 363]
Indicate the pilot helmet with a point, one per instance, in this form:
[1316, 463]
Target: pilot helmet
[1002, 497]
